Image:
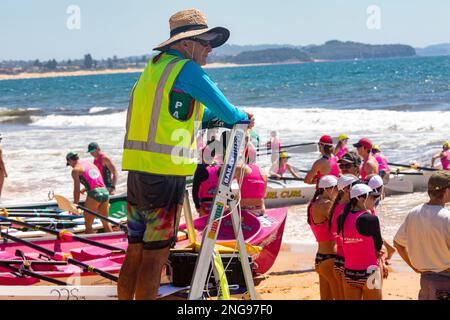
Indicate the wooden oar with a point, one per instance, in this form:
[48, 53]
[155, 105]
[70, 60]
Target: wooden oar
[35, 262]
[63, 235]
[412, 166]
[397, 172]
[31, 210]
[59, 256]
[287, 179]
[288, 146]
[65, 204]
[38, 215]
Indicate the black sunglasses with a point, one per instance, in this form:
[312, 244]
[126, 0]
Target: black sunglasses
[204, 43]
[346, 166]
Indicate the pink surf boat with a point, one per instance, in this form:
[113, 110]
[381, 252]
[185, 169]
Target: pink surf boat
[265, 231]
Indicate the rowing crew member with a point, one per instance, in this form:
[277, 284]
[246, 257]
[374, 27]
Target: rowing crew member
[344, 185]
[280, 167]
[383, 168]
[97, 198]
[362, 243]
[105, 165]
[341, 146]
[317, 218]
[327, 164]
[350, 163]
[370, 164]
[444, 155]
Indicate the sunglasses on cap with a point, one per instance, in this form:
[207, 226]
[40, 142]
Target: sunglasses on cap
[346, 166]
[204, 43]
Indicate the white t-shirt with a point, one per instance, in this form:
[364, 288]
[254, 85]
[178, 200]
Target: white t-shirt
[426, 235]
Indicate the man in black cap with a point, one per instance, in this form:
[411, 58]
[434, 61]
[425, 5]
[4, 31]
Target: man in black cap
[105, 165]
[423, 240]
[350, 163]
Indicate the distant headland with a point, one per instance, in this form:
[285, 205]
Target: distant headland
[225, 56]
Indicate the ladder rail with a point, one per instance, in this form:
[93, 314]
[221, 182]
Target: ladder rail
[223, 194]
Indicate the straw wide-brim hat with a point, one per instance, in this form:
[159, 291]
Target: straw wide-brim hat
[192, 23]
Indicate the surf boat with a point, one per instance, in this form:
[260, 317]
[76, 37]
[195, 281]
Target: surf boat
[43, 265]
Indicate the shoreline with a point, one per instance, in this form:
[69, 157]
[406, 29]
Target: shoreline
[78, 73]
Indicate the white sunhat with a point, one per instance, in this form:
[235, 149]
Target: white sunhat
[327, 182]
[345, 180]
[375, 182]
[361, 189]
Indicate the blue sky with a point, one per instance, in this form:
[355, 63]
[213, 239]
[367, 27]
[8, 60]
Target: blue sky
[31, 29]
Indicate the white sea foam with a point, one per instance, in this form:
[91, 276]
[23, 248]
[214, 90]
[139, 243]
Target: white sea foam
[60, 121]
[98, 109]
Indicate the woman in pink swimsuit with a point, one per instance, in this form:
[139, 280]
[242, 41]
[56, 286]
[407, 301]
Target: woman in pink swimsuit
[444, 155]
[317, 218]
[343, 198]
[362, 243]
[341, 146]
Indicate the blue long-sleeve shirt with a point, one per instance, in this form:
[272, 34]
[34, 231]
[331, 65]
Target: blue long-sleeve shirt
[194, 81]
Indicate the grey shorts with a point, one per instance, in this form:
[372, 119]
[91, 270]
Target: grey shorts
[434, 286]
[150, 191]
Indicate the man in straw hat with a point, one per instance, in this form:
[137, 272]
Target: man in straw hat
[168, 102]
[423, 240]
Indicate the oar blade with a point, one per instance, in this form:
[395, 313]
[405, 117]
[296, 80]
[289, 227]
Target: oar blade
[65, 204]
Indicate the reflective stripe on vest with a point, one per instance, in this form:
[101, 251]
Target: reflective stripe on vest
[155, 141]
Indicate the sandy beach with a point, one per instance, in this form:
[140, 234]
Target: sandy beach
[292, 277]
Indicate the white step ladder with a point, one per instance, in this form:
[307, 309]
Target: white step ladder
[223, 195]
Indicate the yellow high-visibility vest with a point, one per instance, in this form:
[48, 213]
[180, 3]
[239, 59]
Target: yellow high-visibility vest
[155, 141]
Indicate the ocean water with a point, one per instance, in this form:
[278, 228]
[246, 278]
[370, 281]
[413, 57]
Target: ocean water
[401, 104]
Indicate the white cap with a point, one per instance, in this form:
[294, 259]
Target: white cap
[375, 182]
[345, 180]
[327, 182]
[359, 190]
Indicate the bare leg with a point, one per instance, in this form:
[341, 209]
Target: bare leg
[126, 285]
[351, 292]
[149, 275]
[372, 294]
[326, 271]
[340, 285]
[2, 179]
[325, 291]
[103, 210]
[93, 205]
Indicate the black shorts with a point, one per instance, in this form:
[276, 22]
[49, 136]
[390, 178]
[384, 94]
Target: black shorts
[151, 191]
[339, 264]
[320, 257]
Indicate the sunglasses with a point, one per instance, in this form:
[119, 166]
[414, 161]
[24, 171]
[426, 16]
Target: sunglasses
[346, 166]
[204, 43]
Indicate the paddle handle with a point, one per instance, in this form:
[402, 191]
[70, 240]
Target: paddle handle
[411, 166]
[89, 268]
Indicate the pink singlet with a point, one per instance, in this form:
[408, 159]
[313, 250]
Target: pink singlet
[359, 250]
